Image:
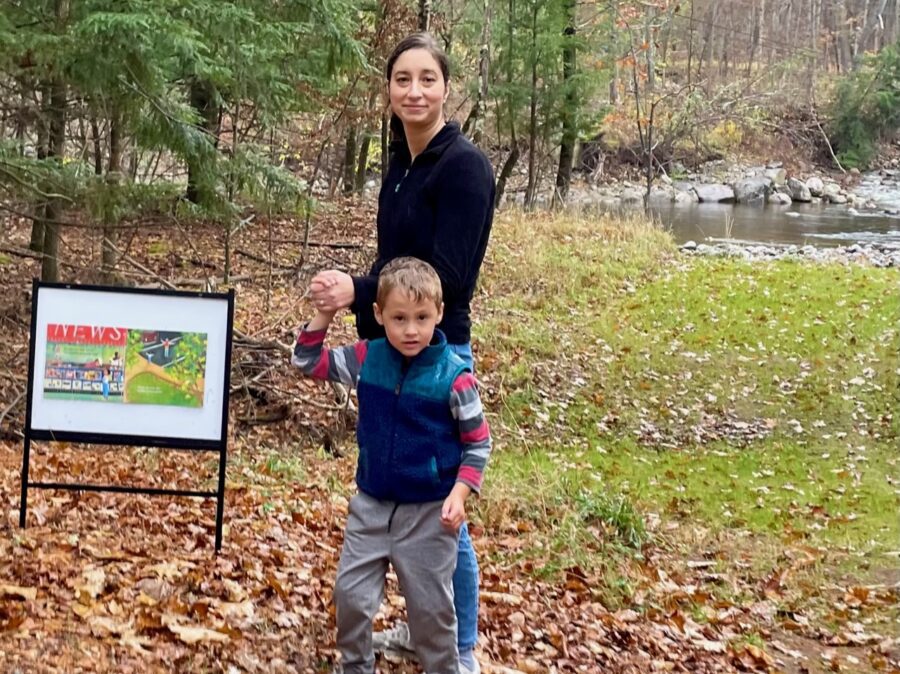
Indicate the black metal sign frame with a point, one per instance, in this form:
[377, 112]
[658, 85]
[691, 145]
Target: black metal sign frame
[219, 445]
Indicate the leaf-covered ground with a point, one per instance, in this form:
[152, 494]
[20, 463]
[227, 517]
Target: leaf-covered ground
[696, 469]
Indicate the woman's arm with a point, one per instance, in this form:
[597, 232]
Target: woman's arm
[464, 198]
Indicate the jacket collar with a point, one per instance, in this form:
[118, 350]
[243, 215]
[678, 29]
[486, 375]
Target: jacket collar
[435, 147]
[427, 356]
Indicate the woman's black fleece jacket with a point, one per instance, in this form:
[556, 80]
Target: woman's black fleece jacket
[438, 208]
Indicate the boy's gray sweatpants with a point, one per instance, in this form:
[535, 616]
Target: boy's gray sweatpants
[411, 537]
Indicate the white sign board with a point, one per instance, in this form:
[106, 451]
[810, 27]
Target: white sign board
[139, 364]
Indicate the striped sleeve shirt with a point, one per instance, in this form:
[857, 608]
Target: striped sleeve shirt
[343, 364]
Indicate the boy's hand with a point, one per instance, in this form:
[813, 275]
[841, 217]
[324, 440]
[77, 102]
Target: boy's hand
[331, 290]
[320, 321]
[453, 512]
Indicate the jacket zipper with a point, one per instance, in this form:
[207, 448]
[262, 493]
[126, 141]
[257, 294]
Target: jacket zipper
[402, 178]
[397, 391]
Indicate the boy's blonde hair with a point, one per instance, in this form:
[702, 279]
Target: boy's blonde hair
[416, 278]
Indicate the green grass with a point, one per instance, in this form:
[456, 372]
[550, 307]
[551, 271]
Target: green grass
[713, 393]
[149, 389]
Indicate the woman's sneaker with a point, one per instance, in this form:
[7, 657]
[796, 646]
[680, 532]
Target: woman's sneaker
[395, 639]
[466, 670]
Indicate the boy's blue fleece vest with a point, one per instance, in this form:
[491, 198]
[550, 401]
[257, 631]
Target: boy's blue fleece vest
[409, 445]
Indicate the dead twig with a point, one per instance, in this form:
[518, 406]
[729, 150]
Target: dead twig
[20, 252]
[11, 406]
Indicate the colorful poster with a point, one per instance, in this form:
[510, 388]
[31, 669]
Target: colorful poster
[125, 365]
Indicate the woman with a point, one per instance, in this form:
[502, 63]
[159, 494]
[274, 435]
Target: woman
[436, 203]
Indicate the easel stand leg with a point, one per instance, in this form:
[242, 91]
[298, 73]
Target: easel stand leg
[23, 502]
[220, 499]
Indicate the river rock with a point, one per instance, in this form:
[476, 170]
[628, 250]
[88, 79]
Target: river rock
[685, 197]
[837, 199]
[714, 193]
[661, 194]
[752, 190]
[799, 191]
[780, 199]
[632, 195]
[815, 186]
[877, 255]
[776, 174]
[830, 190]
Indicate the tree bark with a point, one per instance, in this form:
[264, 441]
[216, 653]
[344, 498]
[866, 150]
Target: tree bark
[423, 17]
[113, 178]
[570, 110]
[873, 24]
[203, 100]
[385, 145]
[349, 179]
[506, 172]
[531, 190]
[43, 149]
[362, 161]
[842, 28]
[57, 147]
[98, 146]
[475, 122]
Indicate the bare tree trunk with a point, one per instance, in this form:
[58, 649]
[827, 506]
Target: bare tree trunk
[474, 125]
[614, 80]
[43, 149]
[815, 28]
[423, 21]
[845, 59]
[362, 161]
[349, 161]
[690, 54]
[758, 14]
[570, 110]
[709, 33]
[113, 178]
[506, 171]
[98, 146]
[531, 190]
[57, 146]
[650, 42]
[874, 21]
[385, 146]
[202, 96]
[513, 157]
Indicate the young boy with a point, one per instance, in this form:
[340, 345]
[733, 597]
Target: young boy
[423, 446]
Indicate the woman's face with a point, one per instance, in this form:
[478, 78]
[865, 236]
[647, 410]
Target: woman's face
[417, 89]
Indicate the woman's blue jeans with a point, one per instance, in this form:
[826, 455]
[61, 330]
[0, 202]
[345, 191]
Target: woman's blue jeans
[465, 578]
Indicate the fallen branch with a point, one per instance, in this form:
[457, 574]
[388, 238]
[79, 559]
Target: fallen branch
[10, 407]
[830, 149]
[323, 244]
[137, 265]
[21, 252]
[260, 258]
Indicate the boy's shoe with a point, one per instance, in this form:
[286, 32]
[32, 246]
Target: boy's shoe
[395, 639]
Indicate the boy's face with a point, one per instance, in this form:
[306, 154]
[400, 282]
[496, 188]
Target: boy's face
[409, 325]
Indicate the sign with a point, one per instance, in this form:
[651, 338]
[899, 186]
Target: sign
[132, 367]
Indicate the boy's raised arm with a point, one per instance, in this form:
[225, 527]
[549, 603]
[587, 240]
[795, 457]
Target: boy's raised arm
[465, 404]
[341, 364]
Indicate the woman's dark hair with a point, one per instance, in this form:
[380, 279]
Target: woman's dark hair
[415, 41]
